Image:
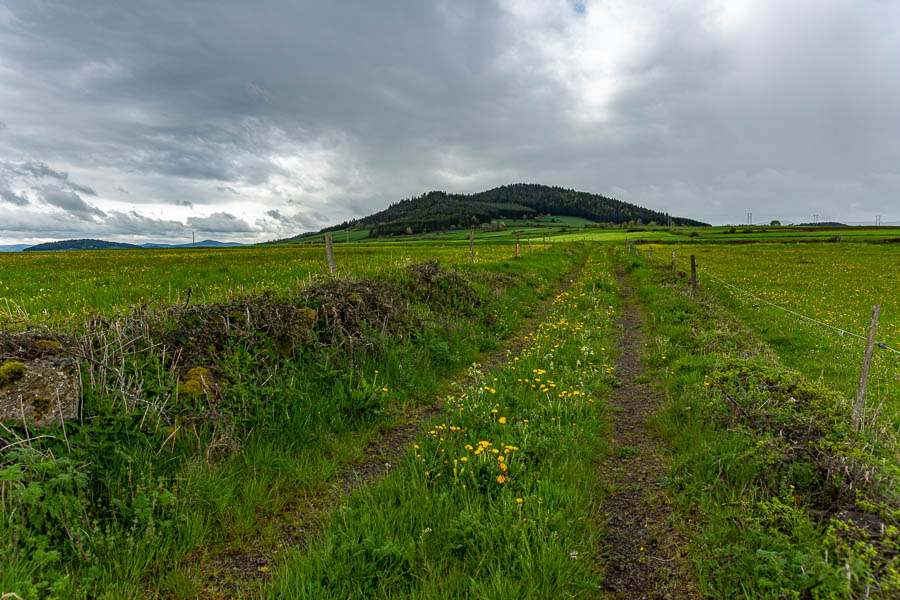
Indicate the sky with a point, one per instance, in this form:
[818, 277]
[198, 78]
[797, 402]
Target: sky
[248, 121]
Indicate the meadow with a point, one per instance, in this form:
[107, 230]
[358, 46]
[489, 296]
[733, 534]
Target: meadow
[61, 286]
[836, 284]
[422, 427]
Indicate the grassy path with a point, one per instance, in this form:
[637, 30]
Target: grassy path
[496, 498]
[643, 551]
[779, 496]
[232, 573]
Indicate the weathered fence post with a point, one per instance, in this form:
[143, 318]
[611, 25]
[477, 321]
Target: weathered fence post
[859, 406]
[693, 277]
[650, 253]
[673, 260]
[329, 250]
[549, 243]
[472, 245]
[530, 247]
[517, 244]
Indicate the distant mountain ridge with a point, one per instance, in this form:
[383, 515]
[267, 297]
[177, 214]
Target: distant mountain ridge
[203, 244]
[439, 210]
[14, 247]
[85, 244]
[91, 244]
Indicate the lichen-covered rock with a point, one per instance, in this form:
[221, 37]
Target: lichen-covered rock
[42, 392]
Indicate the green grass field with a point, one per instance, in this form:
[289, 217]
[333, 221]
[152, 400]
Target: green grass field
[277, 436]
[68, 285]
[836, 284]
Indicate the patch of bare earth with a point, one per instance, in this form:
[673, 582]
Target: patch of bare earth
[232, 574]
[643, 551]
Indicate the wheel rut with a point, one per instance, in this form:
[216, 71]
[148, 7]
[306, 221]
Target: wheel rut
[643, 551]
[229, 574]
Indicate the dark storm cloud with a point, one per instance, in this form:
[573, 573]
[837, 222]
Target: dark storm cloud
[327, 111]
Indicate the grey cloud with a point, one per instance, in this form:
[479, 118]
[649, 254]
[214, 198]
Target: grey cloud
[40, 170]
[116, 225]
[220, 222]
[696, 108]
[298, 222]
[71, 203]
[133, 223]
[10, 196]
[83, 189]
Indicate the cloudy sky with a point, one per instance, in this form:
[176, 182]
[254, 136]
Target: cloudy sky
[249, 121]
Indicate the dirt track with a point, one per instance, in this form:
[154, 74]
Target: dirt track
[643, 551]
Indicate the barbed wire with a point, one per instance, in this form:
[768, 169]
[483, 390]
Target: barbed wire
[840, 330]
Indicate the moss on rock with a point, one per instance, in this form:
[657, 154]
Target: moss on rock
[11, 371]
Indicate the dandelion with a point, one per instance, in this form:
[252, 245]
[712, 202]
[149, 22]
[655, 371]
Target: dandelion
[518, 501]
[502, 420]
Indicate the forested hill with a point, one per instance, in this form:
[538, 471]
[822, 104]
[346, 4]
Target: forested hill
[81, 245]
[439, 210]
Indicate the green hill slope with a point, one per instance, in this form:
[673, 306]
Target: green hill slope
[440, 210]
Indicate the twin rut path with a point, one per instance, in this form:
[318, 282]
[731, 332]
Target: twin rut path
[642, 550]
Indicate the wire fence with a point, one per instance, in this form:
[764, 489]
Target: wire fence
[840, 330]
[839, 360]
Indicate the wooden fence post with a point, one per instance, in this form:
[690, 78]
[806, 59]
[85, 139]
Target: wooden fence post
[329, 250]
[472, 245]
[530, 247]
[693, 277]
[859, 406]
[650, 253]
[517, 244]
[673, 260]
[549, 243]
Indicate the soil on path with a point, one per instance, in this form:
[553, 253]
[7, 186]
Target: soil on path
[229, 574]
[644, 552]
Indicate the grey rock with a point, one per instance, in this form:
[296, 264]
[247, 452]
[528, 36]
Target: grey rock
[47, 392]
